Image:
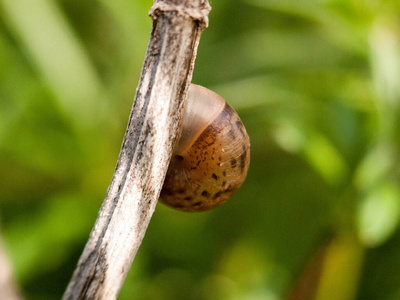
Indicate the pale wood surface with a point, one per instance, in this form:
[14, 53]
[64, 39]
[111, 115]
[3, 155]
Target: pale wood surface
[146, 150]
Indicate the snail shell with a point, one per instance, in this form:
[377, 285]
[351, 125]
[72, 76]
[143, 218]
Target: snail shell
[211, 159]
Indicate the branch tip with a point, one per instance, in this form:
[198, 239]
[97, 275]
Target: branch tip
[197, 13]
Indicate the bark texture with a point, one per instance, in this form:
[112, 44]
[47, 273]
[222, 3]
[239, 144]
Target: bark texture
[146, 150]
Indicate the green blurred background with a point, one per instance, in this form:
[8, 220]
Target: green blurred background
[317, 84]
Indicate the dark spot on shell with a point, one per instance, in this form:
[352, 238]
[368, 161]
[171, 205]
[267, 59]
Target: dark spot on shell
[177, 205]
[187, 198]
[219, 164]
[193, 168]
[178, 157]
[214, 176]
[239, 126]
[220, 158]
[211, 142]
[205, 194]
[224, 184]
[233, 162]
[229, 189]
[232, 134]
[224, 173]
[181, 191]
[216, 195]
[243, 159]
[197, 203]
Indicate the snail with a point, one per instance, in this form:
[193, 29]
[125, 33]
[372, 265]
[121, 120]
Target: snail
[211, 158]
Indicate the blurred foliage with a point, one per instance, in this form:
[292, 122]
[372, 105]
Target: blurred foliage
[317, 84]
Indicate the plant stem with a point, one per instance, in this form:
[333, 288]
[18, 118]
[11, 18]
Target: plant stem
[146, 150]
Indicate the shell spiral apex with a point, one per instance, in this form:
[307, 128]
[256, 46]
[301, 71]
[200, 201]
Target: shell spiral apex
[212, 157]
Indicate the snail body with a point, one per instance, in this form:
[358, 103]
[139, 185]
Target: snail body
[212, 156]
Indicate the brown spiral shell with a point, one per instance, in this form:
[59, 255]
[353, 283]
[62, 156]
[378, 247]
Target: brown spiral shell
[211, 159]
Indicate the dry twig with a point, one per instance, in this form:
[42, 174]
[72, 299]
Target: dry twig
[146, 150]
